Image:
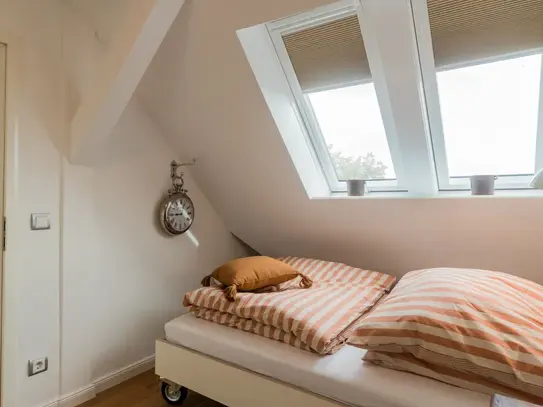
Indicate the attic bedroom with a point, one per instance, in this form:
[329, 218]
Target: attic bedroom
[297, 202]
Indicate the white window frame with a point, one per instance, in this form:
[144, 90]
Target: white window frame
[399, 49]
[429, 74]
[313, 132]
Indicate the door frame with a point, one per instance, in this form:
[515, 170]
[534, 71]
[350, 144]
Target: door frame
[9, 293]
[3, 114]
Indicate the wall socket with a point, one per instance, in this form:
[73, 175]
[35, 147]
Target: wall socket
[37, 366]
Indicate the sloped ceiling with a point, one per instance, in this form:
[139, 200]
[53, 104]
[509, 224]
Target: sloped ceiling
[102, 16]
[202, 93]
[107, 47]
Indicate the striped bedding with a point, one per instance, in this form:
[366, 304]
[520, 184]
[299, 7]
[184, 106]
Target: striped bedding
[319, 319]
[476, 329]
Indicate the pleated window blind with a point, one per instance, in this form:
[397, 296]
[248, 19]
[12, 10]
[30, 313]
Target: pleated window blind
[470, 30]
[328, 55]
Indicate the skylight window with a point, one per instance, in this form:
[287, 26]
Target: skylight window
[329, 73]
[489, 113]
[413, 96]
[482, 77]
[350, 121]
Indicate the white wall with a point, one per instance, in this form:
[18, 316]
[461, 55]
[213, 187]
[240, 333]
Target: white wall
[34, 124]
[93, 292]
[202, 92]
[122, 278]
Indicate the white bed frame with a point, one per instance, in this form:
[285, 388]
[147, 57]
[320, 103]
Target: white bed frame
[228, 384]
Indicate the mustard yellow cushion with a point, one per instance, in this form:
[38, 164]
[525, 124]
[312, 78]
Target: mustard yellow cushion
[253, 273]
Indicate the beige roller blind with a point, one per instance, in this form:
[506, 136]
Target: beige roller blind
[328, 55]
[470, 30]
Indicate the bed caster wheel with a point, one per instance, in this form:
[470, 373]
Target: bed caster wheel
[173, 394]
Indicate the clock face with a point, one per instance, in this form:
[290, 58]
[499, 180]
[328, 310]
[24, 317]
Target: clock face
[178, 214]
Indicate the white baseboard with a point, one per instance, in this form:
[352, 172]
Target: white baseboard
[115, 378]
[78, 397]
[103, 383]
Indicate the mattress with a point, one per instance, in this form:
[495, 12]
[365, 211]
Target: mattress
[342, 376]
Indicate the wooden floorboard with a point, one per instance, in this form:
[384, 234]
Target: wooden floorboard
[143, 391]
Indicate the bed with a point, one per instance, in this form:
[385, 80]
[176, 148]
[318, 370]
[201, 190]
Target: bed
[241, 369]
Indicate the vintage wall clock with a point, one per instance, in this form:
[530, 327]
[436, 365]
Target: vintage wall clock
[177, 209]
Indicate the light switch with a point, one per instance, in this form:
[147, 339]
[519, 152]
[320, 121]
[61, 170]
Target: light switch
[40, 221]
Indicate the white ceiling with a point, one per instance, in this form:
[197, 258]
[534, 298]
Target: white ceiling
[202, 94]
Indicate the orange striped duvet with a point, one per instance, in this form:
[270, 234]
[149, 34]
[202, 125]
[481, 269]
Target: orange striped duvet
[476, 329]
[319, 319]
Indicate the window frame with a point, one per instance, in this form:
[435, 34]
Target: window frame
[421, 22]
[398, 46]
[315, 138]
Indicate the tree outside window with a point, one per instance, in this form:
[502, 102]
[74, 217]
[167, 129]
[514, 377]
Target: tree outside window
[357, 167]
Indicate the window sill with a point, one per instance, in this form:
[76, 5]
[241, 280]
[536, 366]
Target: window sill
[502, 193]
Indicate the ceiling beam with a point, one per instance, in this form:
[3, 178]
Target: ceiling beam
[128, 56]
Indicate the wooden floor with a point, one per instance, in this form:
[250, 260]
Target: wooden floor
[143, 391]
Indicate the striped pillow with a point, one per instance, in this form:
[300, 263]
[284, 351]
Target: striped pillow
[409, 363]
[486, 327]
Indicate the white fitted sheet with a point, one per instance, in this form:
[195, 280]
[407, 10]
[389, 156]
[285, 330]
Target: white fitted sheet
[342, 376]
